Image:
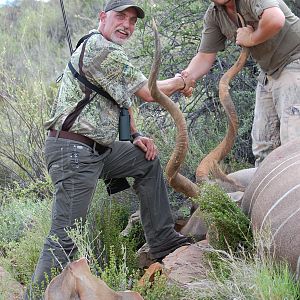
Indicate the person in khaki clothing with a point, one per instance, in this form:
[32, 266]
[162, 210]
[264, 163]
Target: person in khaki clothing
[272, 34]
[97, 85]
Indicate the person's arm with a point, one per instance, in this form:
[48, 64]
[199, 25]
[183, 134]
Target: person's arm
[199, 66]
[132, 122]
[271, 22]
[168, 87]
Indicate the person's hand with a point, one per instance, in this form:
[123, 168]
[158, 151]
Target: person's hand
[189, 83]
[244, 36]
[187, 93]
[147, 145]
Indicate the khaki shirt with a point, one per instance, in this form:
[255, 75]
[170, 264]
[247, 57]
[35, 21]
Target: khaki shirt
[105, 64]
[272, 55]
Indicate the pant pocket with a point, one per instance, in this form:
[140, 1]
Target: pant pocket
[62, 206]
[291, 129]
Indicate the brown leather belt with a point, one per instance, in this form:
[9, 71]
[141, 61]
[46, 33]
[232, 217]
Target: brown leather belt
[78, 138]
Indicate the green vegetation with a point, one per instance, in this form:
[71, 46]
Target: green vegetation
[24, 223]
[160, 289]
[229, 228]
[255, 277]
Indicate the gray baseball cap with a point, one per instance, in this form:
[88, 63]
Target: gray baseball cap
[120, 5]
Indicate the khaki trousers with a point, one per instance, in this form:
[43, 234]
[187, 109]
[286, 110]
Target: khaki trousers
[277, 111]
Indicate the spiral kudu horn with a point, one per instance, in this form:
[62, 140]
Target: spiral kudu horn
[176, 180]
[210, 162]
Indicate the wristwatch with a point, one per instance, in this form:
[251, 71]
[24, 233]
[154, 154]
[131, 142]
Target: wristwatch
[135, 135]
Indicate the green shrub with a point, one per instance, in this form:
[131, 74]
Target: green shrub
[229, 227]
[100, 239]
[24, 254]
[160, 290]
[107, 218]
[19, 209]
[116, 273]
[275, 282]
[24, 223]
[113, 269]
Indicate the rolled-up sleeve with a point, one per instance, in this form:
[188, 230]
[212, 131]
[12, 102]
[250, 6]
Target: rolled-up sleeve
[258, 6]
[213, 39]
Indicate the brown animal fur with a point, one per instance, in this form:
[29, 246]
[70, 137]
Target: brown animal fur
[272, 201]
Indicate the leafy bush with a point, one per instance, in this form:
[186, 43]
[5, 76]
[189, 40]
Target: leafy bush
[107, 219]
[100, 239]
[228, 226]
[24, 223]
[19, 210]
[24, 254]
[160, 289]
[110, 264]
[114, 272]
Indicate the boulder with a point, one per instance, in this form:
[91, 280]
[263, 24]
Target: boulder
[187, 267]
[9, 287]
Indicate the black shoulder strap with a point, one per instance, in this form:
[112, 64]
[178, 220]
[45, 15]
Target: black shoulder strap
[88, 84]
[84, 38]
[83, 79]
[69, 121]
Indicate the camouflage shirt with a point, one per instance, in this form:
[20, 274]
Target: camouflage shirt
[105, 64]
[272, 55]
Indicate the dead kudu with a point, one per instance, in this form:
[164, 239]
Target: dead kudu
[272, 199]
[196, 227]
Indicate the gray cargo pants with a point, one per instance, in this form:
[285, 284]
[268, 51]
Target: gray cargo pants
[75, 169]
[277, 111]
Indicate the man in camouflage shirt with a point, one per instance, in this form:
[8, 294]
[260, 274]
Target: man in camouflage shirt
[272, 35]
[82, 149]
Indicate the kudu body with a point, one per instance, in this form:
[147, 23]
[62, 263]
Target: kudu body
[272, 200]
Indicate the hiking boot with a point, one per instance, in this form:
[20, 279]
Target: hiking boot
[160, 252]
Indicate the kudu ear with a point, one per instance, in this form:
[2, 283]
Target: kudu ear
[62, 287]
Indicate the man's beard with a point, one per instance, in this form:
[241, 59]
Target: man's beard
[118, 40]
